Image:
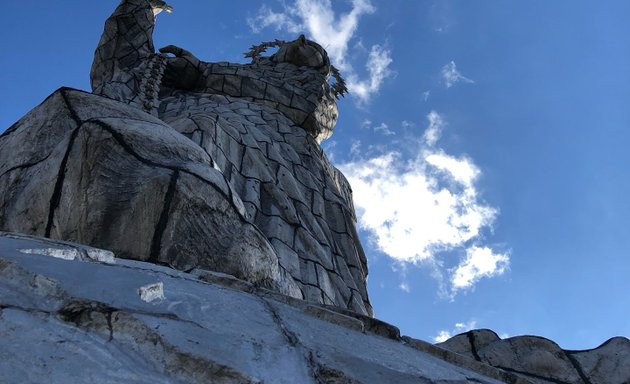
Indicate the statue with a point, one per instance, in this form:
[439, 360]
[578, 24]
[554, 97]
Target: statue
[192, 164]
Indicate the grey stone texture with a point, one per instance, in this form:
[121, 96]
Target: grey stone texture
[176, 161]
[542, 361]
[86, 168]
[78, 321]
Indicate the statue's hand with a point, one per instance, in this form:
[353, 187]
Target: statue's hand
[182, 71]
[179, 52]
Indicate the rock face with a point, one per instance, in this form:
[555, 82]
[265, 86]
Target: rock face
[542, 361]
[105, 320]
[175, 161]
[72, 314]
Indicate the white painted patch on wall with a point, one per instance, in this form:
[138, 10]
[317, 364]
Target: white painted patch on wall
[59, 253]
[89, 254]
[150, 293]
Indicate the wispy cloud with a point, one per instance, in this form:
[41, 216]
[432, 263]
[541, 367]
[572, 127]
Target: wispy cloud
[451, 75]
[355, 148]
[407, 124]
[382, 128]
[333, 32]
[446, 334]
[434, 130]
[266, 17]
[377, 66]
[329, 147]
[441, 16]
[401, 269]
[417, 209]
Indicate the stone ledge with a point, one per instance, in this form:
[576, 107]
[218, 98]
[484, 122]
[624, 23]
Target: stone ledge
[187, 321]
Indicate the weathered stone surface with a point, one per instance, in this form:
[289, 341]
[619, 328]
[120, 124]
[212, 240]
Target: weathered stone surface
[534, 356]
[471, 342]
[113, 176]
[542, 361]
[608, 363]
[75, 321]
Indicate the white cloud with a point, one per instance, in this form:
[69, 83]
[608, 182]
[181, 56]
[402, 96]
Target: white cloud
[425, 95]
[417, 209]
[384, 129]
[451, 76]
[434, 131]
[334, 33]
[444, 335]
[411, 214]
[479, 262]
[404, 286]
[462, 170]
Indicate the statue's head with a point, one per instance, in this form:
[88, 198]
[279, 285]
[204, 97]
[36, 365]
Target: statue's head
[306, 66]
[303, 53]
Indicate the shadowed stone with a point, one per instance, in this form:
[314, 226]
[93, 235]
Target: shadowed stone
[540, 360]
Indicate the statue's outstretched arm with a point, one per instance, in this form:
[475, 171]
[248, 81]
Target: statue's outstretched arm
[126, 44]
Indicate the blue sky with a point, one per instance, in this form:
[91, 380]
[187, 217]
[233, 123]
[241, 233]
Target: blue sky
[487, 142]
